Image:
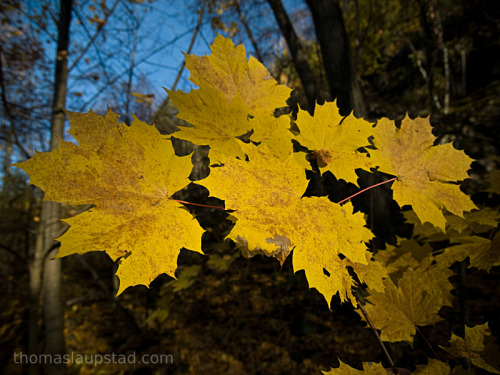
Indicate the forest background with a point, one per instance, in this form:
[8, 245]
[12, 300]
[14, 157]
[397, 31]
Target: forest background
[225, 313]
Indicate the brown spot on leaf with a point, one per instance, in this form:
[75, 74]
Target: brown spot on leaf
[283, 248]
[323, 157]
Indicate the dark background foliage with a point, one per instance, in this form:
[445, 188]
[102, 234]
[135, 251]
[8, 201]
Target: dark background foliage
[225, 313]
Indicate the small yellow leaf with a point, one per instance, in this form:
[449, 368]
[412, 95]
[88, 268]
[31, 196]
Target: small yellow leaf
[476, 221]
[434, 367]
[425, 172]
[369, 368]
[218, 120]
[483, 252]
[335, 140]
[235, 96]
[226, 69]
[478, 346]
[408, 254]
[413, 301]
[186, 278]
[493, 180]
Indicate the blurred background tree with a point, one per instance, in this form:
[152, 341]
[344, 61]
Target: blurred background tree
[226, 314]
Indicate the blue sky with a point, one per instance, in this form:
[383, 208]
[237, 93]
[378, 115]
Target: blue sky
[166, 29]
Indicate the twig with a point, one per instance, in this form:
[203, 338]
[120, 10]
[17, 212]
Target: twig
[193, 39]
[138, 62]
[166, 102]
[197, 204]
[342, 201]
[391, 362]
[428, 343]
[492, 233]
[8, 112]
[248, 31]
[16, 255]
[110, 296]
[368, 188]
[94, 37]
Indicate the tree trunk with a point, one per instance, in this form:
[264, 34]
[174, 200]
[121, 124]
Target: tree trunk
[430, 56]
[35, 274]
[298, 52]
[332, 38]
[248, 30]
[52, 298]
[435, 18]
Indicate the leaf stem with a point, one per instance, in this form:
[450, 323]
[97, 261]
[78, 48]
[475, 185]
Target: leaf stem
[391, 362]
[342, 201]
[197, 204]
[428, 343]
[368, 188]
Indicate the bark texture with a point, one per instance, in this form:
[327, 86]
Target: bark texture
[332, 38]
[298, 52]
[52, 297]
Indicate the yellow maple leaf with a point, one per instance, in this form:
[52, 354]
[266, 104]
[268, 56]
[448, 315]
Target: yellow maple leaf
[335, 140]
[273, 132]
[413, 301]
[129, 173]
[483, 252]
[373, 273]
[425, 172]
[227, 70]
[493, 179]
[432, 368]
[271, 215]
[476, 221]
[408, 254]
[423, 231]
[218, 120]
[478, 346]
[368, 368]
[232, 91]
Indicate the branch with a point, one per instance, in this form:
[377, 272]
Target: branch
[11, 251]
[140, 61]
[248, 31]
[193, 39]
[391, 362]
[165, 102]
[98, 54]
[110, 296]
[93, 38]
[342, 201]
[428, 343]
[8, 112]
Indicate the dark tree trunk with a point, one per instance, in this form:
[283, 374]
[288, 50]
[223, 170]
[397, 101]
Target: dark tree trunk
[332, 38]
[298, 52]
[248, 30]
[430, 55]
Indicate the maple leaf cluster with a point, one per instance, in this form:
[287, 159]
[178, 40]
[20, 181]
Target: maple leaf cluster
[129, 173]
